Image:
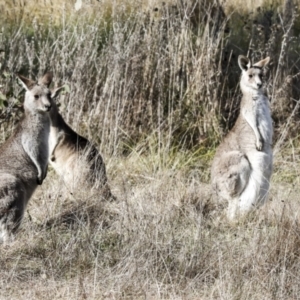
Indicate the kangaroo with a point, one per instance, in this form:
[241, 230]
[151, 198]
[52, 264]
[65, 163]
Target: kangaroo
[242, 166]
[74, 158]
[24, 156]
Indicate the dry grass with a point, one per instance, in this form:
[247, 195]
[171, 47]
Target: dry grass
[155, 89]
[162, 239]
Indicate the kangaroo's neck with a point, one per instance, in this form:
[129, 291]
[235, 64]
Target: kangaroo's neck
[249, 100]
[58, 124]
[249, 93]
[60, 131]
[35, 121]
[56, 119]
[252, 98]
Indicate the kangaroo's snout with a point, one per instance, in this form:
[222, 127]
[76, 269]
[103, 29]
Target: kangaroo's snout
[47, 107]
[46, 103]
[259, 85]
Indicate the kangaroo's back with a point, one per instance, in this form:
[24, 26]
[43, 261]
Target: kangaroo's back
[74, 158]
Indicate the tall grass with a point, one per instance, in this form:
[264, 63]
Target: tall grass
[168, 71]
[136, 72]
[155, 86]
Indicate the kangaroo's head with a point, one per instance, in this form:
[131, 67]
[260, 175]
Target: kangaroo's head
[252, 75]
[38, 95]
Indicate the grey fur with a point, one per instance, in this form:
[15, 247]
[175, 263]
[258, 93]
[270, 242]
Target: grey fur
[242, 167]
[74, 158]
[24, 156]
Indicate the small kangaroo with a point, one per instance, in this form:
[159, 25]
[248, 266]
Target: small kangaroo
[243, 163]
[24, 156]
[74, 158]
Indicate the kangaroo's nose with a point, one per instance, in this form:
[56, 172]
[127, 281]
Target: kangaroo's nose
[47, 107]
[259, 85]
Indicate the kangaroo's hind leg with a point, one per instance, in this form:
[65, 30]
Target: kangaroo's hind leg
[12, 206]
[230, 176]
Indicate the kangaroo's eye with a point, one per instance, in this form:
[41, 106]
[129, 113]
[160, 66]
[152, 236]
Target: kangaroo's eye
[250, 76]
[36, 97]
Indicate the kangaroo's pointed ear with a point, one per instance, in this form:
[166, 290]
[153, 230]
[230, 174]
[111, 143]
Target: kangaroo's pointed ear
[263, 62]
[55, 92]
[244, 62]
[26, 82]
[46, 79]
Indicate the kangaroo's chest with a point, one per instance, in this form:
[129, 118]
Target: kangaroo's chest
[53, 138]
[39, 134]
[254, 122]
[34, 139]
[264, 120]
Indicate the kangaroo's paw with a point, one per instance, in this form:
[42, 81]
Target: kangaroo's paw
[259, 144]
[39, 180]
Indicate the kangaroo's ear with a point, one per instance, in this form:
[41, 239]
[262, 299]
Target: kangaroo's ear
[263, 62]
[55, 92]
[26, 82]
[46, 79]
[244, 62]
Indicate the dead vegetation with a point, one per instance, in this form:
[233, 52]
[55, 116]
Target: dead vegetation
[155, 88]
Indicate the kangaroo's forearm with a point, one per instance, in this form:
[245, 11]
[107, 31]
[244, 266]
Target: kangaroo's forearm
[252, 121]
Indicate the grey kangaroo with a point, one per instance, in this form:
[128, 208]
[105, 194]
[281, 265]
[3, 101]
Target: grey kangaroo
[74, 158]
[24, 156]
[242, 166]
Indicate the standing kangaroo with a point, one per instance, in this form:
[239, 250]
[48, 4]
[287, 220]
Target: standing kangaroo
[74, 158]
[242, 167]
[24, 156]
